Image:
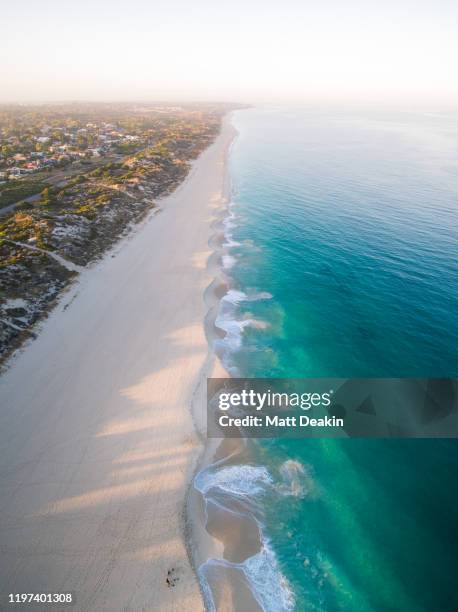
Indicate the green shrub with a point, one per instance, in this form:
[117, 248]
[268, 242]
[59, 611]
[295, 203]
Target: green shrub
[12, 193]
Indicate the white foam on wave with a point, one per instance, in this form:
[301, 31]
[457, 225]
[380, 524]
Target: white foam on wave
[269, 586]
[239, 480]
[229, 241]
[230, 244]
[235, 296]
[229, 224]
[234, 331]
[228, 261]
[229, 220]
[227, 321]
[292, 473]
[262, 295]
[297, 480]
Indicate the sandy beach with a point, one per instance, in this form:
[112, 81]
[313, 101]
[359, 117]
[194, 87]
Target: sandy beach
[97, 439]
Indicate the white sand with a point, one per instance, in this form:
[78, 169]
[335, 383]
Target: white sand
[97, 444]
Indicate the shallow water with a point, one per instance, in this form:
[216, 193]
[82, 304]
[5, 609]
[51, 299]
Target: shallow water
[341, 244]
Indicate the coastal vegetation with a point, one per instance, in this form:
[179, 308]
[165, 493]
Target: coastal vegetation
[117, 162]
[19, 190]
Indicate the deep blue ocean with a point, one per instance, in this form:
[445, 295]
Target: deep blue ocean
[342, 252]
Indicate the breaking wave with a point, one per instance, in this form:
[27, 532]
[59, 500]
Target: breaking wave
[268, 585]
[261, 571]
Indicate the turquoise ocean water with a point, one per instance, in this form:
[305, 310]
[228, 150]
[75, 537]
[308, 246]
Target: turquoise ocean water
[341, 247]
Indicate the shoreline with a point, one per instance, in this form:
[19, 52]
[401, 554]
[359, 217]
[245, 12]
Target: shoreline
[232, 556]
[221, 535]
[97, 438]
[201, 545]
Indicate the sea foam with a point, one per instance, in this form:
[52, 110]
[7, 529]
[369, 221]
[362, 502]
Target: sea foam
[267, 583]
[234, 479]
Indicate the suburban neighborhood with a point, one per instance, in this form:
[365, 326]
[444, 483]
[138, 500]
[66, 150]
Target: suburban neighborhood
[73, 179]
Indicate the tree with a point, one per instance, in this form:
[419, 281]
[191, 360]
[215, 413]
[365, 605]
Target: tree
[47, 197]
[6, 150]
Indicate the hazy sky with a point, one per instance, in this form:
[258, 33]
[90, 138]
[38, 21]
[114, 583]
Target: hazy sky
[242, 50]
